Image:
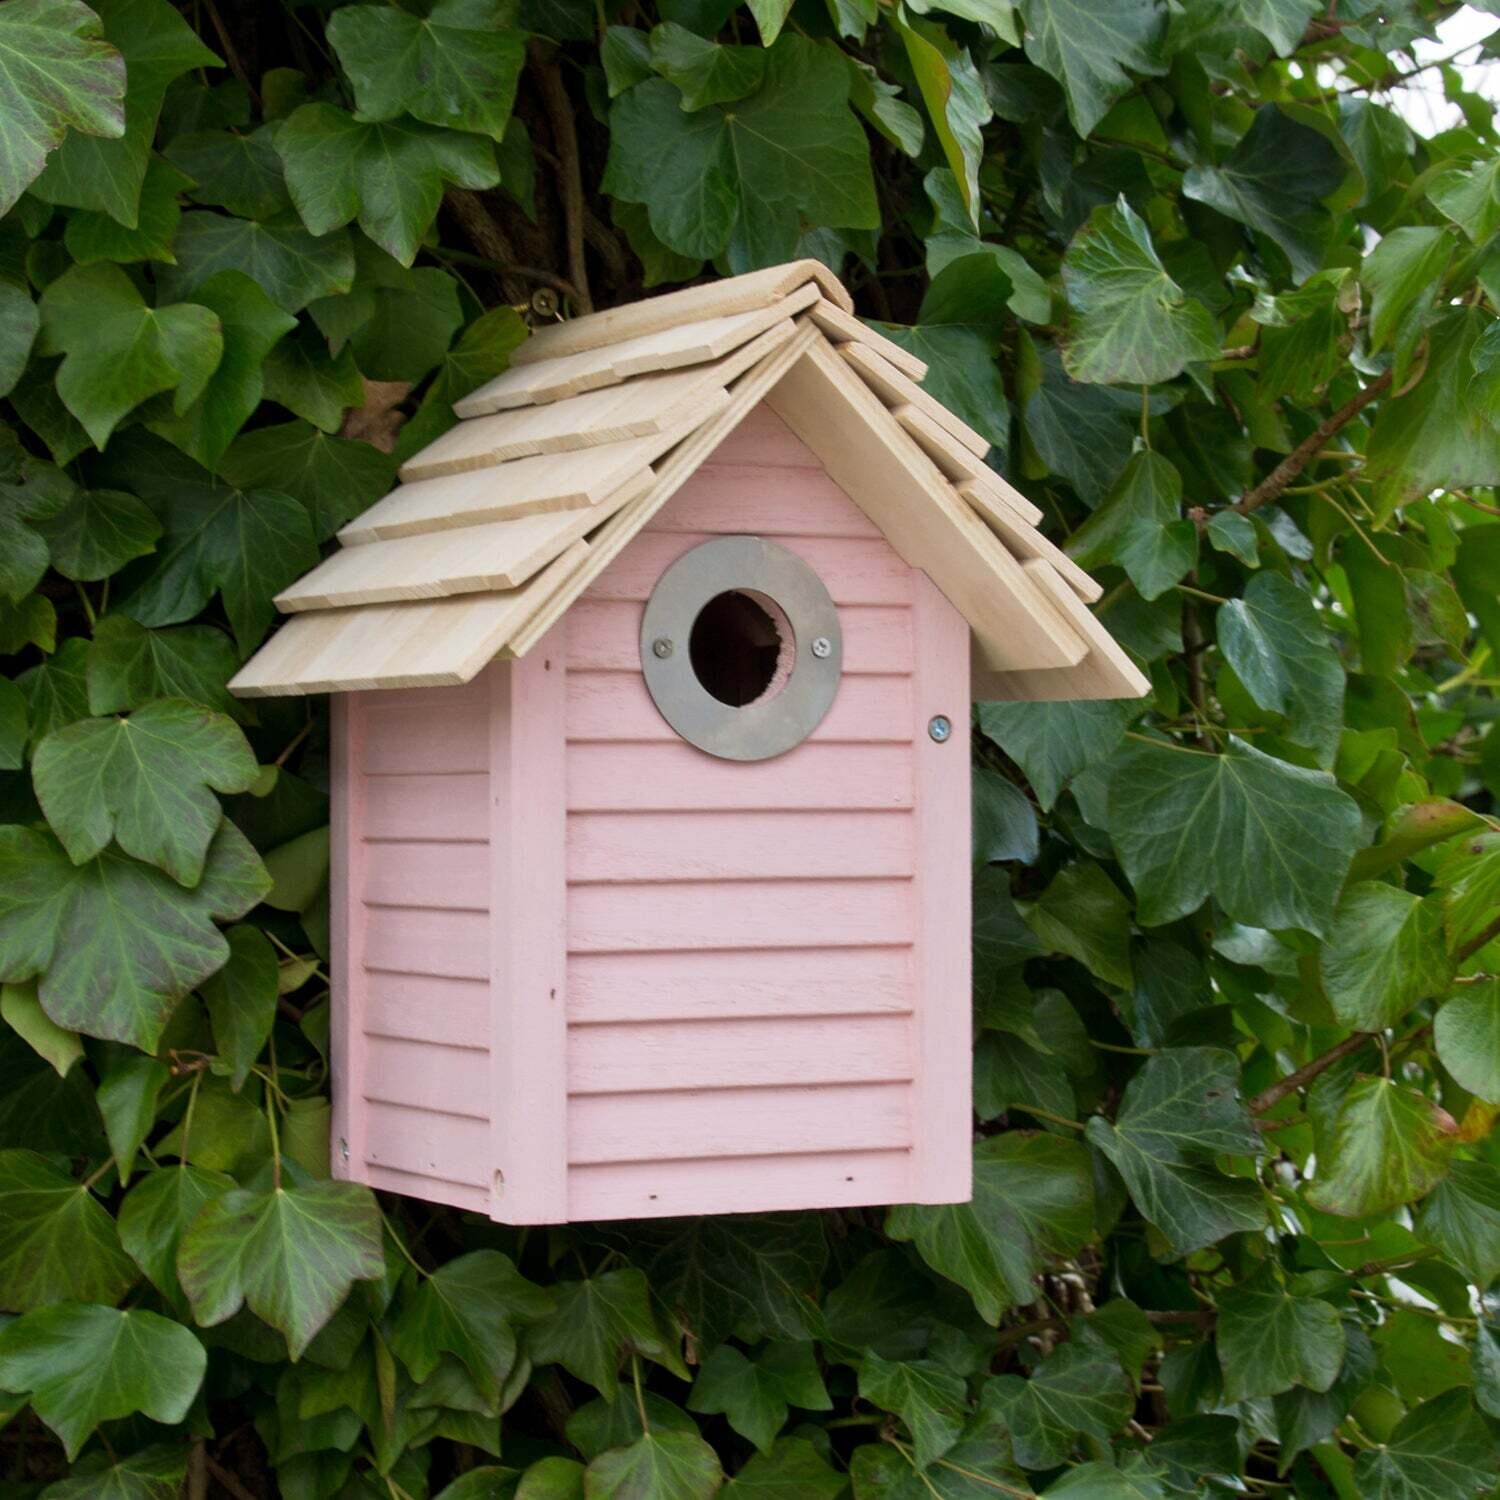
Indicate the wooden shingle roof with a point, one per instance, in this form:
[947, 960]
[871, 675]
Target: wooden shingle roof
[557, 463]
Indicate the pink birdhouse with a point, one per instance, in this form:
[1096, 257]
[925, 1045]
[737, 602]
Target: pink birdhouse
[650, 778]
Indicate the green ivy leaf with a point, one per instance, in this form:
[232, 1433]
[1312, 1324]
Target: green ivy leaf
[97, 532]
[22, 1011]
[154, 1473]
[84, 1364]
[156, 1212]
[241, 1000]
[1467, 1032]
[738, 180]
[1390, 1145]
[1402, 275]
[1087, 51]
[468, 1308]
[129, 665]
[57, 73]
[1178, 1113]
[291, 1255]
[456, 67]
[1272, 840]
[706, 72]
[238, 171]
[928, 1398]
[1274, 182]
[333, 477]
[792, 1470]
[128, 1093]
[1083, 914]
[117, 943]
[1384, 953]
[1270, 1339]
[1140, 526]
[1280, 650]
[597, 1320]
[1005, 826]
[1033, 1201]
[1439, 1451]
[1470, 198]
[755, 1392]
[1053, 742]
[664, 1466]
[1080, 432]
[291, 266]
[388, 175]
[19, 323]
[117, 351]
[953, 92]
[1075, 1391]
[1133, 325]
[144, 781]
[1101, 1481]
[92, 236]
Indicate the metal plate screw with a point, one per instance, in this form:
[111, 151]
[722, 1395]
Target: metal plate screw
[822, 647]
[343, 1149]
[661, 647]
[939, 727]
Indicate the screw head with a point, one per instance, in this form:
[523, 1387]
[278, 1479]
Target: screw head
[661, 647]
[940, 727]
[822, 647]
[343, 1149]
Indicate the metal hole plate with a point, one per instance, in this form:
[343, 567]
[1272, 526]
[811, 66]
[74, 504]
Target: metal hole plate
[771, 725]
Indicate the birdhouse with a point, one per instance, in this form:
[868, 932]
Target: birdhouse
[651, 768]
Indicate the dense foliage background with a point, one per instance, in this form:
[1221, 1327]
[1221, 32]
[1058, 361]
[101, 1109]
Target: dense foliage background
[1236, 1224]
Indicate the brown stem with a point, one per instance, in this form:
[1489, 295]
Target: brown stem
[197, 1473]
[1199, 1317]
[1192, 660]
[1303, 454]
[1271, 1097]
[570, 175]
[230, 55]
[1475, 943]
[227, 1480]
[488, 238]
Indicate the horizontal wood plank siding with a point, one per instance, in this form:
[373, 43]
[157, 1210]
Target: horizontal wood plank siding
[740, 969]
[418, 963]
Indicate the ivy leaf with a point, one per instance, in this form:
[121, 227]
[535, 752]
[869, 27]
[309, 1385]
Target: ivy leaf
[1033, 1201]
[1080, 432]
[1461, 1215]
[333, 477]
[1390, 1145]
[127, 1096]
[1141, 527]
[97, 532]
[1274, 182]
[1133, 325]
[929, 1399]
[84, 1364]
[1087, 51]
[1233, 533]
[233, 170]
[22, 1012]
[57, 1242]
[468, 1308]
[19, 322]
[1283, 23]
[92, 235]
[663, 1465]
[144, 781]
[1101, 1481]
[594, 1322]
[1467, 1032]
[1385, 953]
[1005, 826]
[755, 1392]
[1178, 1113]
[955, 98]
[156, 1212]
[388, 175]
[128, 665]
[1273, 638]
[155, 1473]
[106, 175]
[706, 72]
[117, 351]
[311, 383]
[1074, 1391]
[291, 266]
[1402, 275]
[739, 179]
[291, 1255]
[1470, 198]
[1440, 1451]
[1270, 841]
[252, 324]
[1053, 742]
[1270, 1340]
[456, 67]
[245, 544]
[117, 943]
[1083, 914]
[57, 73]
[241, 1000]
[792, 1470]
[54, 690]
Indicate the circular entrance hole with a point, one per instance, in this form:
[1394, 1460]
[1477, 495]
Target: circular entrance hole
[741, 647]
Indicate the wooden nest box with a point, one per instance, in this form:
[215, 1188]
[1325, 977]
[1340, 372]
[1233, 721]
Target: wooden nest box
[651, 767]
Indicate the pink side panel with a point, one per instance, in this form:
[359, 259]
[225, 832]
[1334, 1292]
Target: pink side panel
[750, 996]
[346, 933]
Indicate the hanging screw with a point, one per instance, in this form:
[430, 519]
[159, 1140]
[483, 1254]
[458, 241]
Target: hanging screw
[939, 727]
[822, 647]
[343, 1149]
[661, 647]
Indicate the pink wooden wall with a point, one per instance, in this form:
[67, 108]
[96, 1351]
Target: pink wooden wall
[716, 986]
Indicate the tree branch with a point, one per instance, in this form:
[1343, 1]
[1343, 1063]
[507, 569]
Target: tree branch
[1271, 1097]
[570, 176]
[1475, 943]
[486, 235]
[1271, 487]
